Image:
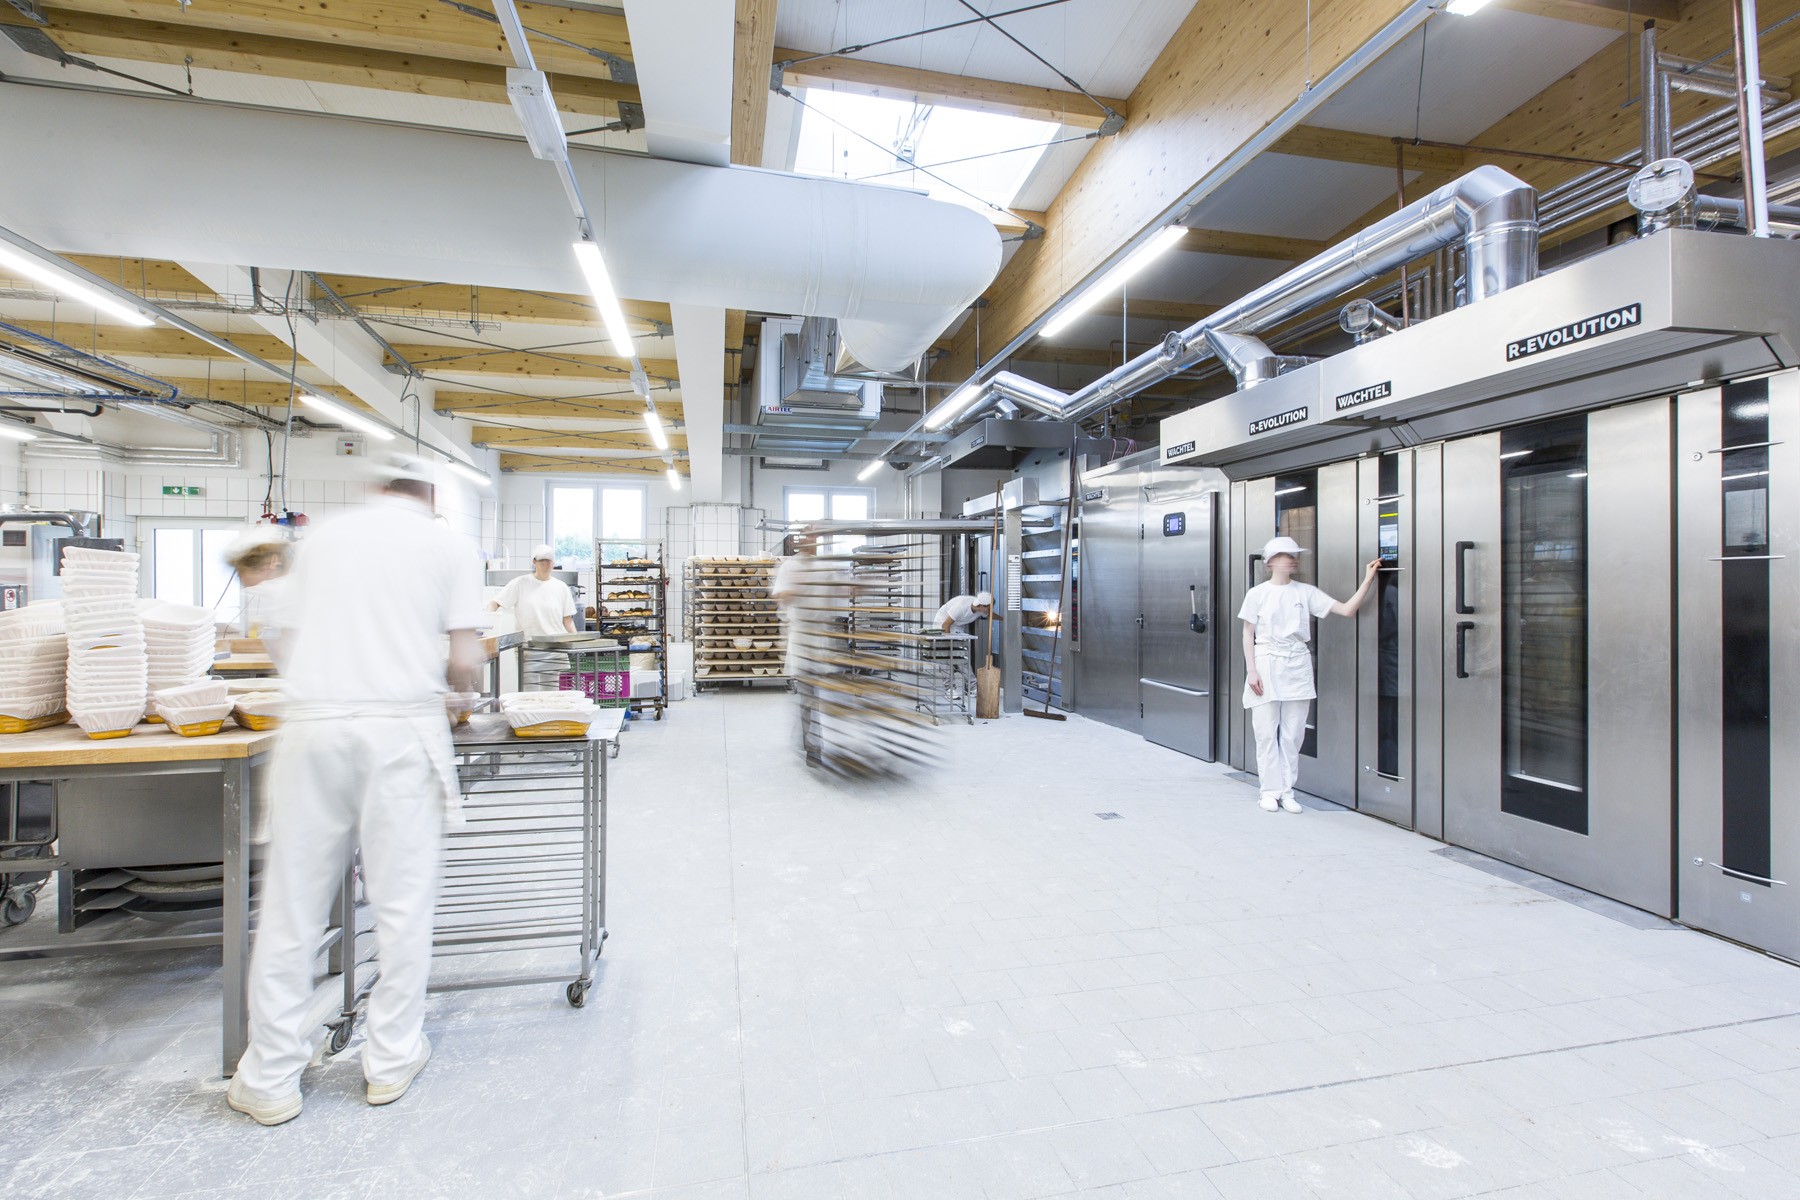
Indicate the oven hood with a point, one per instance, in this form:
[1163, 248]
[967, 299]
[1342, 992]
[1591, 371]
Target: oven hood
[1660, 314]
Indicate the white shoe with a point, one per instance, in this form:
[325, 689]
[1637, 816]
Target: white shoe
[264, 1110]
[1289, 804]
[387, 1093]
[1269, 803]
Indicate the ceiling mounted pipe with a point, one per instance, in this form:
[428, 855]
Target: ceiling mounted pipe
[1492, 213]
[357, 198]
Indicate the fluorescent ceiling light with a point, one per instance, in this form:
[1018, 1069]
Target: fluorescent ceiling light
[950, 409]
[14, 433]
[655, 425]
[66, 284]
[344, 416]
[600, 284]
[674, 478]
[1164, 241]
[478, 478]
[868, 472]
[1465, 8]
[532, 103]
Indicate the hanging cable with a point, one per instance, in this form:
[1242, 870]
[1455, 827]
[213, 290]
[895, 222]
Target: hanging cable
[889, 151]
[1057, 71]
[1419, 101]
[951, 162]
[844, 51]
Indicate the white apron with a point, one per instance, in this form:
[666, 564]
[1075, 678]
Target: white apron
[428, 724]
[1286, 670]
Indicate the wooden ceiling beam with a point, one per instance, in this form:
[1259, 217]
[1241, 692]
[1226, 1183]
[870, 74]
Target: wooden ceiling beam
[1226, 74]
[752, 46]
[484, 303]
[431, 29]
[1250, 245]
[1627, 16]
[864, 78]
[130, 341]
[527, 364]
[569, 464]
[625, 407]
[1363, 149]
[176, 43]
[488, 435]
[254, 393]
[1040, 351]
[142, 275]
[1157, 310]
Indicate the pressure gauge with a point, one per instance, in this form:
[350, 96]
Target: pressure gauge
[1661, 187]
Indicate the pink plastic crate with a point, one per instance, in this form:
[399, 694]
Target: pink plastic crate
[598, 686]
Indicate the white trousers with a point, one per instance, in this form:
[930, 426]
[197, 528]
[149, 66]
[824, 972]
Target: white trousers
[337, 785]
[1280, 727]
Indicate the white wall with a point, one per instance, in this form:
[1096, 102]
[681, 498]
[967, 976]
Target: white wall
[318, 483]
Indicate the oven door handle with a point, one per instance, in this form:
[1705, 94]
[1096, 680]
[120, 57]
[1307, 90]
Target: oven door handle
[1462, 648]
[1463, 607]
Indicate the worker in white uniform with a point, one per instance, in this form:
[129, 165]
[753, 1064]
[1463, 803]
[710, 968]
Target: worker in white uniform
[1278, 673]
[365, 761]
[803, 587]
[262, 557]
[539, 603]
[960, 612]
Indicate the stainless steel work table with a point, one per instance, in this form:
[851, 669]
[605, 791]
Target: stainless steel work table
[65, 753]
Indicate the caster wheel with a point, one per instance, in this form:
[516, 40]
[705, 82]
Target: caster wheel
[577, 993]
[340, 1037]
[18, 909]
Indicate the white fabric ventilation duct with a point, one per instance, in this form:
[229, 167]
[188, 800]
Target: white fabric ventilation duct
[169, 179]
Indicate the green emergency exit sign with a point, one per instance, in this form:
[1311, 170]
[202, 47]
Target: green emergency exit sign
[184, 491]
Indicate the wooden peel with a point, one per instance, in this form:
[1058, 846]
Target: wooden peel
[987, 679]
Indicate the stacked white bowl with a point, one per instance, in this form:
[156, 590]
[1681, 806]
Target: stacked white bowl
[108, 671]
[178, 643]
[33, 659]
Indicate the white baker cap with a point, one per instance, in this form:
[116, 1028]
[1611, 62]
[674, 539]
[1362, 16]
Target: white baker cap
[984, 598]
[395, 468]
[543, 551]
[1280, 545]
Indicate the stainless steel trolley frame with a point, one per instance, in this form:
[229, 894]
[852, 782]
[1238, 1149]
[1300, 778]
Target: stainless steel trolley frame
[526, 872]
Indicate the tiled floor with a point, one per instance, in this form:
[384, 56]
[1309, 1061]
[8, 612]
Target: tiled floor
[970, 986]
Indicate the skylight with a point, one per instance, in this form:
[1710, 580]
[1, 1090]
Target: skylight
[986, 154]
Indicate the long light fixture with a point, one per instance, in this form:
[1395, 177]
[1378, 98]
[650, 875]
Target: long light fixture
[1164, 241]
[654, 424]
[15, 434]
[674, 478]
[868, 472]
[345, 416]
[478, 478]
[1465, 8]
[952, 408]
[67, 285]
[587, 254]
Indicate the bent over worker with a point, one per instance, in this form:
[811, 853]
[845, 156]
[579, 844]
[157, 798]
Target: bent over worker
[1278, 672]
[364, 761]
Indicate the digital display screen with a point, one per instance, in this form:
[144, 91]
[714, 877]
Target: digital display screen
[1174, 524]
[1389, 534]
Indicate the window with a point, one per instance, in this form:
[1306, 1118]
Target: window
[830, 504]
[187, 565]
[966, 157]
[574, 511]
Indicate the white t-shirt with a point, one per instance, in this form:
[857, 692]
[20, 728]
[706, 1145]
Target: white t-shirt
[539, 604]
[370, 602]
[960, 610]
[1282, 613]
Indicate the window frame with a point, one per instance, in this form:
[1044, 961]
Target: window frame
[596, 489]
[841, 545]
[147, 530]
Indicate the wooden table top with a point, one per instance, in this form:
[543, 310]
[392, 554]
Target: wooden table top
[67, 746]
[245, 662]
